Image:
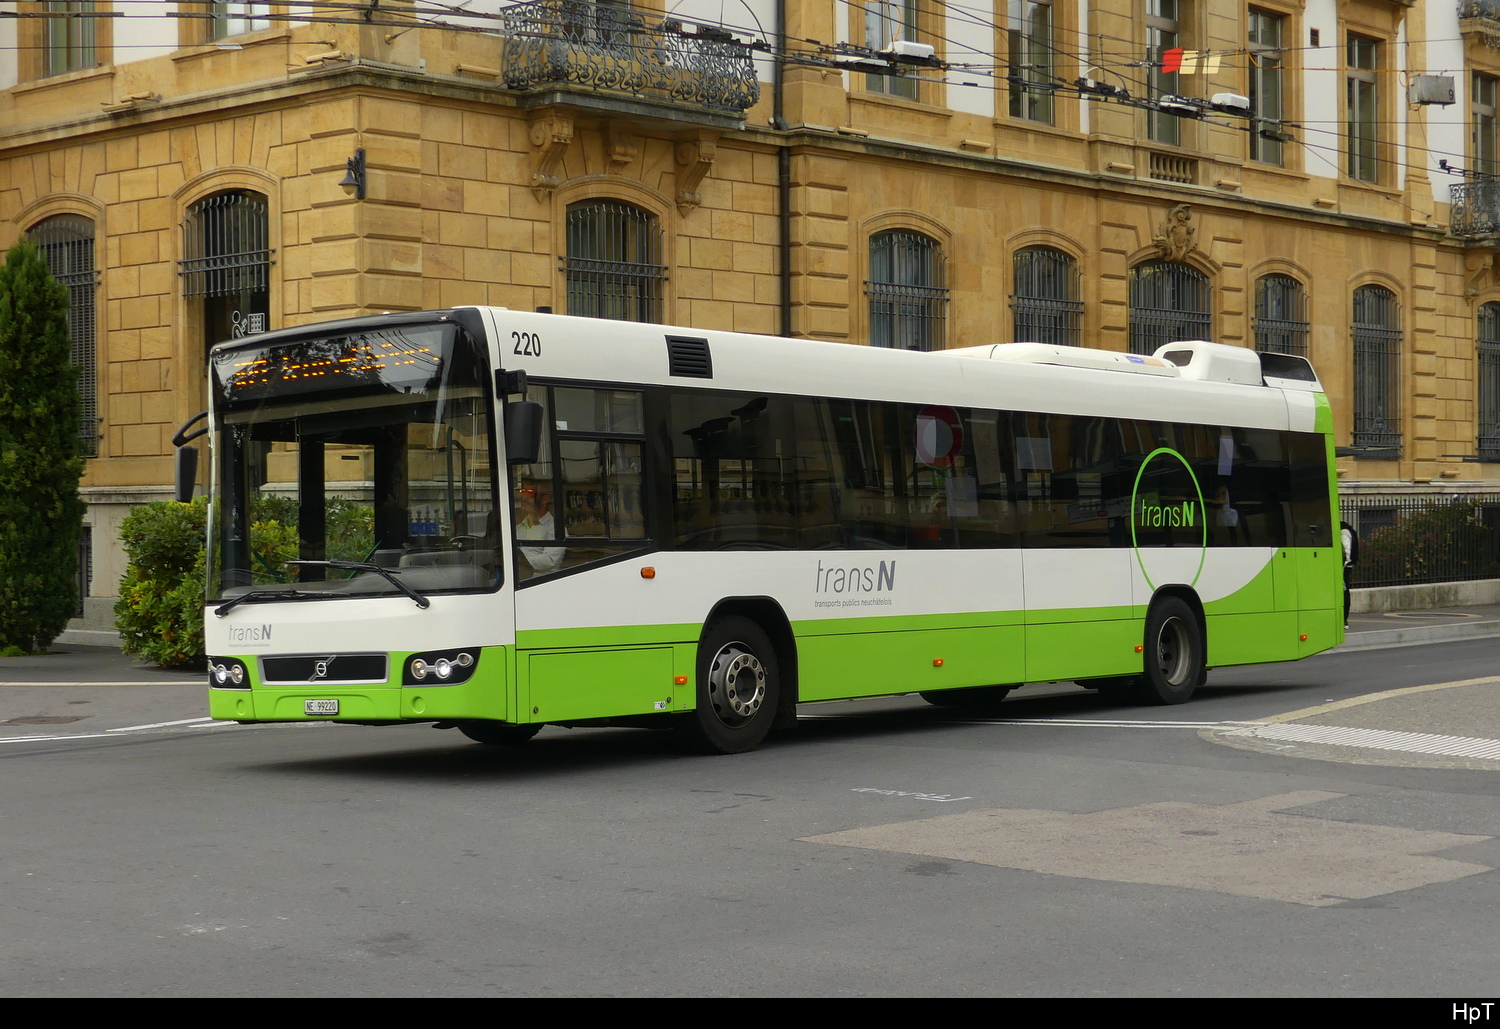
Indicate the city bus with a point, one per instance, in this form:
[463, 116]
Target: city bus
[493, 521]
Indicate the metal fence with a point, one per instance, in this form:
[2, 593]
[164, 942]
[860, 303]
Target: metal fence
[1408, 541]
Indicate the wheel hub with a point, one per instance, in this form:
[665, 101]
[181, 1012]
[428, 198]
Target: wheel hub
[1172, 651]
[736, 684]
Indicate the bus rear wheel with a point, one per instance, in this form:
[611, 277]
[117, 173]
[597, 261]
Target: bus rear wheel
[739, 688]
[975, 698]
[1174, 653]
[499, 734]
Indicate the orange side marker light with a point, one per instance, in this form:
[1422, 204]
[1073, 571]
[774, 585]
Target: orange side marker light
[648, 572]
[679, 680]
[937, 662]
[1139, 647]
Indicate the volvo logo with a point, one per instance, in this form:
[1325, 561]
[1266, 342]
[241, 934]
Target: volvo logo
[320, 669]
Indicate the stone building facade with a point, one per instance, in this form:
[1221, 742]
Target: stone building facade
[1046, 169]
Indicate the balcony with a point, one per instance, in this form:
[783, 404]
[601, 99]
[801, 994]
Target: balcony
[1479, 20]
[1173, 168]
[1475, 212]
[600, 56]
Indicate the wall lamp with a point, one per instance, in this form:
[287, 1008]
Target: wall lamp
[353, 181]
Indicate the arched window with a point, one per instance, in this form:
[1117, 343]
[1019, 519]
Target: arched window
[227, 261]
[907, 291]
[1046, 300]
[66, 243]
[1280, 323]
[1488, 374]
[1376, 337]
[614, 263]
[1169, 301]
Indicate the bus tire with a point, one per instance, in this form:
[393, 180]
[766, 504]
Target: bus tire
[498, 734]
[1174, 655]
[739, 688]
[973, 698]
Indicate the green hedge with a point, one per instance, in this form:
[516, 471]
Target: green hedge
[160, 611]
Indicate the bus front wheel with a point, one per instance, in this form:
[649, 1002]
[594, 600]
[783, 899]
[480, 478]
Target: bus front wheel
[739, 687]
[500, 734]
[1174, 653]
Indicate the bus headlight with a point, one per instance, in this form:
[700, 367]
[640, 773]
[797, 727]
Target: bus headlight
[225, 673]
[440, 668]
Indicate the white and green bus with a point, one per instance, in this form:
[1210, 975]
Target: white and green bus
[494, 520]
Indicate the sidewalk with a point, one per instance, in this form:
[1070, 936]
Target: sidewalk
[1375, 630]
[82, 690]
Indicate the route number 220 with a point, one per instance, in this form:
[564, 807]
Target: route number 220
[527, 344]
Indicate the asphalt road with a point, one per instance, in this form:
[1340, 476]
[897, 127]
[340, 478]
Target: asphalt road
[1067, 847]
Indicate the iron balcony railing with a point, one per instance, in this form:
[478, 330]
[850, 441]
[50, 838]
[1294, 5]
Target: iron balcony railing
[1475, 206]
[551, 43]
[1479, 9]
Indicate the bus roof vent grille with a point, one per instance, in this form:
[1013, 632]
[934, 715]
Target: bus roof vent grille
[689, 357]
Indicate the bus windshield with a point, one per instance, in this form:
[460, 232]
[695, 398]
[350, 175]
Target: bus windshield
[371, 449]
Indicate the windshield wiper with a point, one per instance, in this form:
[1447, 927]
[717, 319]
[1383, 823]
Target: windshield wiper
[364, 566]
[264, 595]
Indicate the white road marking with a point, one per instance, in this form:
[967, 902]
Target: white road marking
[1115, 723]
[45, 739]
[1286, 732]
[191, 723]
[161, 725]
[98, 682]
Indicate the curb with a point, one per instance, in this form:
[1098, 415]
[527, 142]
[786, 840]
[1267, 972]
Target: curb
[1380, 639]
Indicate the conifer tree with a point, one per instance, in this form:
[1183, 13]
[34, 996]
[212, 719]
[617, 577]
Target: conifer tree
[41, 513]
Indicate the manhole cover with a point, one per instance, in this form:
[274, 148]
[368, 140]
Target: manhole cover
[43, 719]
[1419, 615]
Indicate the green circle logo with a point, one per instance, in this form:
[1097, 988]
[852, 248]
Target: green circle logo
[1154, 512]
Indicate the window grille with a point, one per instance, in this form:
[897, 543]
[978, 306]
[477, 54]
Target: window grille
[1169, 301]
[907, 290]
[66, 243]
[1280, 323]
[614, 263]
[1046, 300]
[1376, 331]
[1488, 374]
[226, 246]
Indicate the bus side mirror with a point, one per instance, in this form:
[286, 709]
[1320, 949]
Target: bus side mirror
[186, 474]
[523, 431]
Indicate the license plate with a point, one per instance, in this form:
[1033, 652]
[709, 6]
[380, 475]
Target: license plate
[320, 707]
